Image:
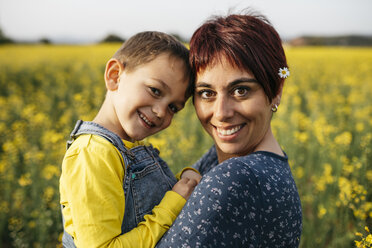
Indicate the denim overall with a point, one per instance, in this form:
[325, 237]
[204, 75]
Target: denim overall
[147, 177]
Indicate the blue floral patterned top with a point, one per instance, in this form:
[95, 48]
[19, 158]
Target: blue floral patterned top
[249, 201]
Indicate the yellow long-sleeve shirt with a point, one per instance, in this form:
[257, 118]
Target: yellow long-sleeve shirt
[92, 194]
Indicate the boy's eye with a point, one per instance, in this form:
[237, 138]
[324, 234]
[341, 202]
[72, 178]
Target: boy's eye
[155, 91]
[173, 108]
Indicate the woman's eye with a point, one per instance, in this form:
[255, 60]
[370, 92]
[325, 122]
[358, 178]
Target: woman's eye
[240, 92]
[205, 94]
[155, 91]
[173, 108]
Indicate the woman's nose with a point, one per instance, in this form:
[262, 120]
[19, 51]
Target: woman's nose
[223, 109]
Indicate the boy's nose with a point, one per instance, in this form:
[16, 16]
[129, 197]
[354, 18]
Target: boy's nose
[159, 110]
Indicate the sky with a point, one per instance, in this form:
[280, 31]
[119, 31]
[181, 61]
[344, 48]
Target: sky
[89, 21]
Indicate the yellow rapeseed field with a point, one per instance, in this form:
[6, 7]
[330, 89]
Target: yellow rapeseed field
[324, 124]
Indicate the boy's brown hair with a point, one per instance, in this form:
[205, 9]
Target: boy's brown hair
[145, 46]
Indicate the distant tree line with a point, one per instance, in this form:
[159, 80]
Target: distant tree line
[112, 38]
[4, 39]
[109, 38]
[346, 40]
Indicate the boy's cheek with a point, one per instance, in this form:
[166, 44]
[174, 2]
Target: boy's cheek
[166, 123]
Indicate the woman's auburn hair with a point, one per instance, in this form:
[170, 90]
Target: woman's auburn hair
[246, 41]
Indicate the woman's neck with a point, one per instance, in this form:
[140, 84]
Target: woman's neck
[269, 144]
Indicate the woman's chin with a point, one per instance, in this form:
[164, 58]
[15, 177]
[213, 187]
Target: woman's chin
[231, 150]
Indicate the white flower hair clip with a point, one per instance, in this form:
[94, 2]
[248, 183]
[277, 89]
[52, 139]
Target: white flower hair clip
[283, 72]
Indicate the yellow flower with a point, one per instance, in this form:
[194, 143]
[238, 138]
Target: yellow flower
[32, 224]
[358, 244]
[302, 137]
[49, 171]
[343, 139]
[369, 175]
[359, 127]
[25, 180]
[4, 207]
[321, 211]
[48, 193]
[3, 166]
[325, 179]
[369, 239]
[298, 172]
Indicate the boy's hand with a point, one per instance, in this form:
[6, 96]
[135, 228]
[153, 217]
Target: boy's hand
[184, 187]
[190, 174]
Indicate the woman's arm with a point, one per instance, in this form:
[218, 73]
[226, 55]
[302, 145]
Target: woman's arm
[224, 210]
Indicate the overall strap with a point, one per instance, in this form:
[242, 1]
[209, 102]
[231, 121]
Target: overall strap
[87, 127]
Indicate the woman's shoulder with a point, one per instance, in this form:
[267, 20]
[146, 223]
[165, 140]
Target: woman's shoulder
[259, 160]
[261, 156]
[253, 168]
[235, 169]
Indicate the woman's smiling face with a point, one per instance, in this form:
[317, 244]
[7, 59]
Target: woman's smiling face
[233, 108]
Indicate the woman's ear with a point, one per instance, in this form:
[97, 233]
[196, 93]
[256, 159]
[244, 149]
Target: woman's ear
[113, 70]
[278, 96]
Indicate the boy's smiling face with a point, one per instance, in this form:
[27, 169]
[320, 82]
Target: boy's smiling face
[147, 97]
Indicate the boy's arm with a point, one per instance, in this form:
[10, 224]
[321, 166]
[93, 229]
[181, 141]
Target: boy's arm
[166, 213]
[150, 231]
[91, 185]
[189, 172]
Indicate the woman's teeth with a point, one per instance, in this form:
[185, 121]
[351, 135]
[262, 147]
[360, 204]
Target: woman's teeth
[231, 131]
[146, 120]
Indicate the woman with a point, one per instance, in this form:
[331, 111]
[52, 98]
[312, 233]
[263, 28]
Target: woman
[247, 196]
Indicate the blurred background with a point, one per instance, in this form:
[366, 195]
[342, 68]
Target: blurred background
[92, 21]
[52, 59]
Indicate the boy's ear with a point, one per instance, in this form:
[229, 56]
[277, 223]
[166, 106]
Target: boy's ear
[113, 70]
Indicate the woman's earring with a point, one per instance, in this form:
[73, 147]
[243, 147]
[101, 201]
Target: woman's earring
[274, 108]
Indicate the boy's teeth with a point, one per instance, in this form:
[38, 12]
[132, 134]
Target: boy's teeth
[146, 120]
[231, 131]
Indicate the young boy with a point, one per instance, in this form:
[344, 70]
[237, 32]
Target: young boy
[116, 192]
